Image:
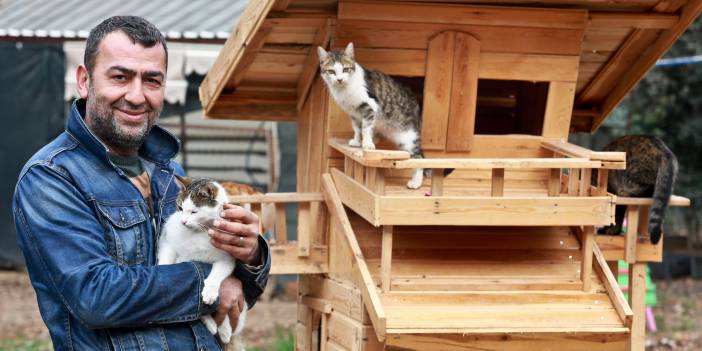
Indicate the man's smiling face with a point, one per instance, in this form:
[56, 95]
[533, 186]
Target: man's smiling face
[125, 92]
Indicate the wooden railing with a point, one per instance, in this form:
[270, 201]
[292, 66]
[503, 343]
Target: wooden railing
[306, 255]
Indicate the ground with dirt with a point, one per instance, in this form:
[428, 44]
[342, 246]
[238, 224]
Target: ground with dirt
[678, 316]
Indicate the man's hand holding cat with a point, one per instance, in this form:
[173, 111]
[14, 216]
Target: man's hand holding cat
[231, 302]
[237, 234]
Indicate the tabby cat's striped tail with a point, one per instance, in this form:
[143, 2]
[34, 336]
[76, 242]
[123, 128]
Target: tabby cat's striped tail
[662, 191]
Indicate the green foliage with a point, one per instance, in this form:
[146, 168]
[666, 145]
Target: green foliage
[668, 103]
[24, 344]
[284, 341]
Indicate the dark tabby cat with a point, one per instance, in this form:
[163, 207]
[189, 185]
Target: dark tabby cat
[650, 171]
[376, 103]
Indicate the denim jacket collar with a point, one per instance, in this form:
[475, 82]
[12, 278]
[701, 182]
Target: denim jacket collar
[159, 147]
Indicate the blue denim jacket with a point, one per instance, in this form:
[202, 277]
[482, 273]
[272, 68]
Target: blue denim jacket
[90, 248]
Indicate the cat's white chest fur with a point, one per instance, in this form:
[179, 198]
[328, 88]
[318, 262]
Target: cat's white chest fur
[352, 94]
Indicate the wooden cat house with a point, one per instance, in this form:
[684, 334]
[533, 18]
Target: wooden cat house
[499, 255]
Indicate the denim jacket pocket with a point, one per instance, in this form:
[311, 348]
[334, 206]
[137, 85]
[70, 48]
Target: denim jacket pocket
[125, 224]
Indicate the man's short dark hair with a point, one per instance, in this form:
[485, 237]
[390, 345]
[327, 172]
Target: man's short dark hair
[136, 28]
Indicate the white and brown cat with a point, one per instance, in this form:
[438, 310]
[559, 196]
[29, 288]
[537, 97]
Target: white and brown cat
[184, 238]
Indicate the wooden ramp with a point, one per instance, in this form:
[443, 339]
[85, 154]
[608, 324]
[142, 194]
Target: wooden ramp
[483, 288]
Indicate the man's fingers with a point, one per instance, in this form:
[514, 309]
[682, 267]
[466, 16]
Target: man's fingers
[234, 314]
[238, 213]
[222, 311]
[233, 239]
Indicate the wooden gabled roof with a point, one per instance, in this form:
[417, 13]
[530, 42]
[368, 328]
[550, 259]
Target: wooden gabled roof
[268, 63]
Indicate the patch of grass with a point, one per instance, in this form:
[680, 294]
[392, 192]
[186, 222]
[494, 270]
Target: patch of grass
[284, 341]
[24, 344]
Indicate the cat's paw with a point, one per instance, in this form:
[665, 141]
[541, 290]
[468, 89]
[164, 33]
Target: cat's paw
[368, 145]
[225, 331]
[210, 324]
[414, 183]
[354, 143]
[210, 293]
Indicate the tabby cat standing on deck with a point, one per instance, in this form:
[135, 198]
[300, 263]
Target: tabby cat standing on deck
[650, 171]
[376, 103]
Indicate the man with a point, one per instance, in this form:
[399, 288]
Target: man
[89, 207]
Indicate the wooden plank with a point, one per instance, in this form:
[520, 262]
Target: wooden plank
[488, 163]
[358, 171]
[351, 334]
[559, 107]
[437, 91]
[250, 53]
[356, 196]
[285, 260]
[632, 233]
[368, 289]
[542, 68]
[277, 198]
[462, 14]
[464, 93]
[281, 231]
[311, 67]
[397, 210]
[234, 48]
[510, 341]
[386, 258]
[646, 60]
[344, 297]
[437, 182]
[254, 112]
[411, 284]
[587, 242]
[304, 228]
[281, 5]
[632, 20]
[403, 62]
[318, 304]
[613, 290]
[613, 248]
[494, 39]
[498, 182]
[675, 201]
[637, 299]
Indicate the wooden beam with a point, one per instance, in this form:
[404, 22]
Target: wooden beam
[559, 108]
[318, 304]
[233, 51]
[386, 258]
[277, 198]
[613, 290]
[632, 20]
[368, 289]
[675, 201]
[613, 248]
[464, 93]
[256, 112]
[437, 91]
[356, 196]
[462, 14]
[490, 163]
[285, 260]
[311, 67]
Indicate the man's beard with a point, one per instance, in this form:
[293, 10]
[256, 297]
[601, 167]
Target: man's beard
[106, 127]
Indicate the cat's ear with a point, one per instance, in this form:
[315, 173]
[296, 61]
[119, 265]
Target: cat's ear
[323, 54]
[348, 52]
[184, 181]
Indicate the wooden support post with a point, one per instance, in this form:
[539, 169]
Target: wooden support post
[498, 181]
[585, 175]
[632, 230]
[464, 93]
[602, 175]
[554, 182]
[348, 166]
[303, 229]
[281, 229]
[323, 330]
[370, 177]
[358, 170]
[437, 182]
[386, 258]
[380, 182]
[573, 181]
[587, 241]
[637, 300]
[643, 221]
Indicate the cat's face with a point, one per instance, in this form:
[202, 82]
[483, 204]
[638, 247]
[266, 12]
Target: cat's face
[200, 202]
[336, 66]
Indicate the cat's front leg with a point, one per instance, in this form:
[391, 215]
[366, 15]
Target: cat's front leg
[367, 129]
[220, 270]
[356, 141]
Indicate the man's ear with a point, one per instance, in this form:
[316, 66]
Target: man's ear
[82, 81]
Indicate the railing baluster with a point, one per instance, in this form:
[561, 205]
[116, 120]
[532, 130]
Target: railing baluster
[498, 182]
[573, 181]
[587, 241]
[554, 182]
[437, 182]
[602, 175]
[632, 230]
[348, 166]
[281, 229]
[585, 181]
[303, 229]
[386, 258]
[358, 172]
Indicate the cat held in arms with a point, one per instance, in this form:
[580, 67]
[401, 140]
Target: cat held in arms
[651, 169]
[376, 103]
[184, 238]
